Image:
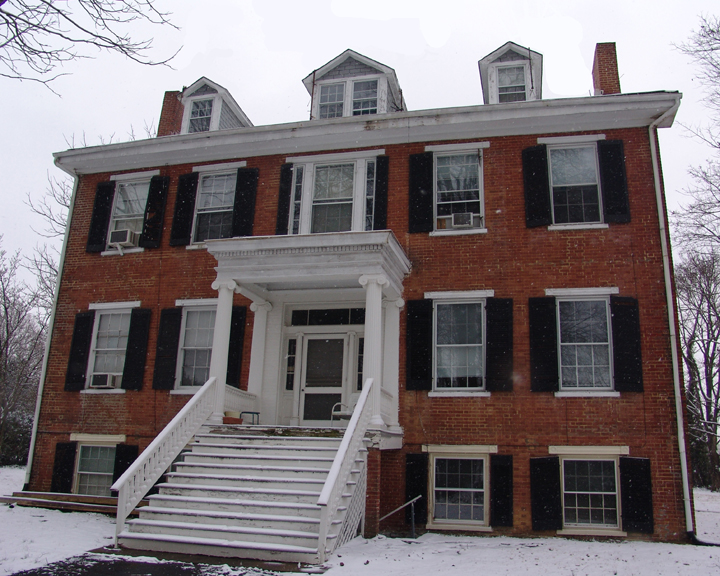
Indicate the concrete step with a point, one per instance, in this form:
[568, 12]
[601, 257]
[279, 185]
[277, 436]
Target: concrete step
[248, 519]
[239, 492]
[296, 441]
[322, 461]
[251, 469]
[218, 547]
[232, 533]
[247, 481]
[235, 505]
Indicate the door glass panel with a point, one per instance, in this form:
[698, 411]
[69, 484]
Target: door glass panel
[324, 364]
[319, 406]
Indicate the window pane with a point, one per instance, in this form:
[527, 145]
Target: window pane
[459, 355]
[110, 344]
[590, 493]
[459, 489]
[197, 347]
[129, 207]
[573, 166]
[215, 200]
[365, 97]
[584, 344]
[334, 182]
[331, 100]
[324, 362]
[95, 470]
[457, 188]
[200, 115]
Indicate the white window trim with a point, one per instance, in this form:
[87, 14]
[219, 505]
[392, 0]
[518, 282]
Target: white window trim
[196, 302]
[589, 450]
[588, 394]
[219, 167]
[382, 95]
[460, 295]
[309, 163]
[77, 472]
[591, 453]
[134, 176]
[105, 439]
[581, 292]
[103, 391]
[460, 232]
[113, 252]
[104, 308]
[579, 226]
[458, 149]
[462, 147]
[201, 305]
[583, 139]
[114, 305]
[494, 87]
[214, 116]
[461, 452]
[212, 170]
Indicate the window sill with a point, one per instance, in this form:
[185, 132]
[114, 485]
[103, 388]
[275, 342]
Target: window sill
[185, 391]
[458, 394]
[598, 226]
[588, 394]
[103, 391]
[465, 526]
[198, 246]
[591, 532]
[135, 250]
[462, 232]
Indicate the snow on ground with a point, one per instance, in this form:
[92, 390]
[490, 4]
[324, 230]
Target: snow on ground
[32, 537]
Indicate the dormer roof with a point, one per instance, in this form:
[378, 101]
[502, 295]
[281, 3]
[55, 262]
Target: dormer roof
[507, 54]
[226, 113]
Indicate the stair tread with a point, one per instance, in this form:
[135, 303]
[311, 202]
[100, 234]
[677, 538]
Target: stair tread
[228, 501]
[238, 489]
[252, 467]
[262, 456]
[223, 528]
[229, 515]
[245, 478]
[276, 438]
[266, 447]
[218, 542]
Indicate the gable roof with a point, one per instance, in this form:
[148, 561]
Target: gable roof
[204, 86]
[508, 52]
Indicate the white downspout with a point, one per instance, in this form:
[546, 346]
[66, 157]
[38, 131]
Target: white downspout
[652, 132]
[48, 336]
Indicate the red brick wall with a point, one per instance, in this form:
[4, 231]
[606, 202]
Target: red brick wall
[606, 79]
[171, 115]
[514, 261]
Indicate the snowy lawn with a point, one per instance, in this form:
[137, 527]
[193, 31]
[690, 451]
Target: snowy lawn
[32, 537]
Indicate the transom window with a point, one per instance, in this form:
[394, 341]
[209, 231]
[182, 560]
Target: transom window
[332, 97]
[214, 206]
[129, 206]
[574, 183]
[110, 344]
[196, 349]
[459, 489]
[95, 470]
[584, 344]
[365, 97]
[200, 115]
[590, 496]
[511, 84]
[458, 202]
[459, 359]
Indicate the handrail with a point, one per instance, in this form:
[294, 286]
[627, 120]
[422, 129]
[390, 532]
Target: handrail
[410, 503]
[142, 474]
[341, 467]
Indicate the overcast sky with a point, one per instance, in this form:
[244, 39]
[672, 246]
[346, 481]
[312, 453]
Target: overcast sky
[261, 50]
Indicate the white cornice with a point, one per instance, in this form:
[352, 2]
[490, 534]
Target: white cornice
[472, 122]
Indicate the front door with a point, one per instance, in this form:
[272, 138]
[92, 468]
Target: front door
[324, 376]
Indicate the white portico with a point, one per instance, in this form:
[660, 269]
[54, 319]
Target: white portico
[326, 316]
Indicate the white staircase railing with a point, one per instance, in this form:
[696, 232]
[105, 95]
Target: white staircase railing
[239, 400]
[142, 474]
[336, 482]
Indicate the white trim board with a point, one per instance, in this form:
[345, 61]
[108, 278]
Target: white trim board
[589, 450]
[460, 295]
[219, 167]
[134, 176]
[454, 147]
[114, 305]
[582, 291]
[571, 139]
[333, 157]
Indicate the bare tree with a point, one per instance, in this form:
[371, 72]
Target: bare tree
[696, 225]
[21, 353]
[38, 36]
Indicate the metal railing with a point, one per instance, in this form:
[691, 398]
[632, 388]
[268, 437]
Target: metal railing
[410, 503]
[334, 490]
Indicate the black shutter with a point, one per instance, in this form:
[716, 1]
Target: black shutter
[102, 208]
[136, 351]
[611, 158]
[79, 351]
[237, 333]
[538, 211]
[421, 193]
[167, 349]
[545, 501]
[636, 495]
[154, 212]
[501, 490]
[627, 358]
[64, 467]
[416, 484]
[283, 212]
[419, 345]
[181, 232]
[125, 454]
[499, 345]
[381, 192]
[543, 345]
[244, 206]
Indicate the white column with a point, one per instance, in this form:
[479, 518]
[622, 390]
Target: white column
[391, 354]
[372, 367]
[257, 354]
[221, 344]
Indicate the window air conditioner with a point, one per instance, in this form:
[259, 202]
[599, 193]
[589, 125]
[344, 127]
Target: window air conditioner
[462, 220]
[125, 238]
[105, 381]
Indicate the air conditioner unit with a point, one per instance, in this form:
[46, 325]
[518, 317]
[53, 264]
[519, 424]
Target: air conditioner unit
[124, 238]
[105, 380]
[462, 220]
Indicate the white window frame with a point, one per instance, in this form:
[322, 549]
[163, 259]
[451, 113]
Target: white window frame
[77, 472]
[214, 117]
[309, 164]
[494, 91]
[592, 145]
[457, 150]
[194, 305]
[461, 452]
[382, 95]
[106, 308]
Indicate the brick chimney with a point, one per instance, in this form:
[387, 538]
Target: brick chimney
[605, 69]
[171, 115]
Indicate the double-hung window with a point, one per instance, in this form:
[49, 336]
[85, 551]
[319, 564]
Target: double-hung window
[200, 115]
[459, 354]
[350, 97]
[590, 493]
[129, 206]
[196, 345]
[336, 193]
[108, 353]
[365, 97]
[575, 184]
[511, 83]
[214, 206]
[459, 490]
[332, 98]
[95, 467]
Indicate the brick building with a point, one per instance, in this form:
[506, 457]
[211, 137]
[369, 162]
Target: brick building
[481, 293]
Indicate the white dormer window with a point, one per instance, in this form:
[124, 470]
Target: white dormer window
[351, 97]
[207, 107]
[201, 115]
[332, 98]
[511, 84]
[365, 97]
